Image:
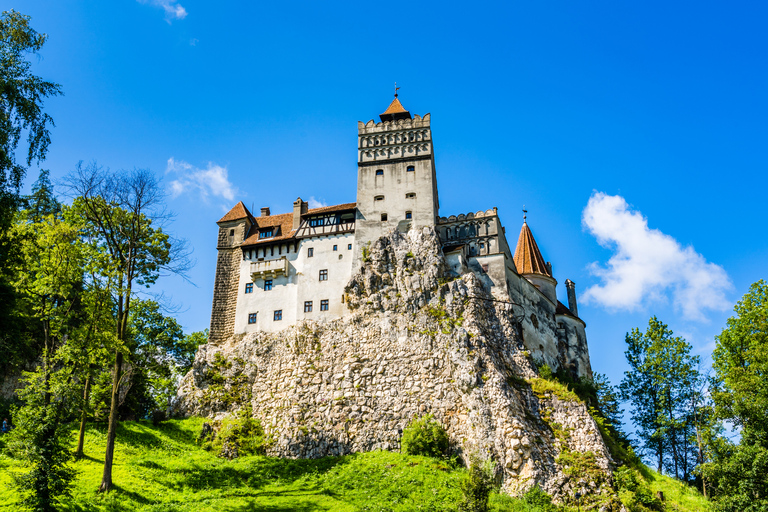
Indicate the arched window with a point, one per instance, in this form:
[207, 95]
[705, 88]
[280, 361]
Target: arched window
[378, 198]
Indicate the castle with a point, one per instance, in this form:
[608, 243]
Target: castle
[274, 271]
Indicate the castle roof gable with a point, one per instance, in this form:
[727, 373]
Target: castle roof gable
[528, 258]
[239, 211]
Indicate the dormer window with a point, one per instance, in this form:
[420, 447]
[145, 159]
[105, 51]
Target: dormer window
[380, 172]
[267, 233]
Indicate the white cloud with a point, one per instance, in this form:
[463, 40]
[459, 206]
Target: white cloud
[211, 181]
[172, 8]
[316, 203]
[648, 266]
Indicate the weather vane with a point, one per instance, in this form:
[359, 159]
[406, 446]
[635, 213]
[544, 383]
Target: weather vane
[525, 213]
[396, 88]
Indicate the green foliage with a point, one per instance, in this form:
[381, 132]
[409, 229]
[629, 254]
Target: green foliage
[239, 435]
[41, 441]
[21, 103]
[425, 436]
[663, 388]
[538, 498]
[477, 486]
[226, 390]
[634, 492]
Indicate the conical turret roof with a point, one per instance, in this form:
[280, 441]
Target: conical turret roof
[528, 258]
[395, 111]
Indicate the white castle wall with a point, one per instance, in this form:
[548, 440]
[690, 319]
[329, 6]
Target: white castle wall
[301, 284]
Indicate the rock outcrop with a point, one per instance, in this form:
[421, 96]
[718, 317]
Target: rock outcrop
[418, 340]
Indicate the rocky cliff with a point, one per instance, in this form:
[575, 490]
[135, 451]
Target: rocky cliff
[418, 340]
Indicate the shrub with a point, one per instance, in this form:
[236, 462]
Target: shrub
[477, 486]
[425, 436]
[157, 417]
[239, 435]
[539, 499]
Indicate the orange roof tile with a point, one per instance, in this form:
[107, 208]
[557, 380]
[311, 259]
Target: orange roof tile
[395, 108]
[283, 223]
[528, 258]
[239, 211]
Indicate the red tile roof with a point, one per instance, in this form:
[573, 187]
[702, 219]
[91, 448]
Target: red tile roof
[283, 224]
[528, 258]
[394, 108]
[239, 211]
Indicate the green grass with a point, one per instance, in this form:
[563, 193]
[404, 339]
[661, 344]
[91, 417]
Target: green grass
[163, 469]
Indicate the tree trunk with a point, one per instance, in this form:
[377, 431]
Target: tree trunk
[106, 479]
[83, 418]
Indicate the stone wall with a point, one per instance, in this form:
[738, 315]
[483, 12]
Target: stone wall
[418, 340]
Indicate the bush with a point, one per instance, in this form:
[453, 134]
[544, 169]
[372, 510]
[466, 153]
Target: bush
[239, 435]
[634, 492]
[477, 486]
[538, 498]
[425, 436]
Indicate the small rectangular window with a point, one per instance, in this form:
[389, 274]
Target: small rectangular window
[278, 315]
[411, 168]
[383, 217]
[252, 318]
[335, 247]
[324, 305]
[410, 195]
[265, 234]
[308, 306]
[310, 252]
[380, 172]
[324, 275]
[349, 247]
[408, 215]
[482, 246]
[267, 285]
[248, 287]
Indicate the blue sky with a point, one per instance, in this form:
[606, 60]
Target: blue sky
[652, 113]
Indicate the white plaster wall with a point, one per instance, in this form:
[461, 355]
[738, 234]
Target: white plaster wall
[301, 284]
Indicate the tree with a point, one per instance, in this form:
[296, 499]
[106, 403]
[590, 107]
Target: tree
[124, 215]
[48, 283]
[21, 101]
[660, 386]
[738, 473]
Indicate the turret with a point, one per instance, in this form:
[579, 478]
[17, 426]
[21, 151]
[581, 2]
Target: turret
[531, 265]
[570, 286]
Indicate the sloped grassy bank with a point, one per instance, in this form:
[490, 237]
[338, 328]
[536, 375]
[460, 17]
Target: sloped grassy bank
[164, 469]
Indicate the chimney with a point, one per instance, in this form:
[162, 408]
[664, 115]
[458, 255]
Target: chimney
[299, 208]
[265, 212]
[571, 287]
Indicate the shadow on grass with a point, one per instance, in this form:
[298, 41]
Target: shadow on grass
[253, 472]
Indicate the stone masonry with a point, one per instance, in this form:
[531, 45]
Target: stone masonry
[419, 339]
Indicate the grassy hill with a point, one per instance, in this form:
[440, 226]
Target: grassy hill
[164, 469]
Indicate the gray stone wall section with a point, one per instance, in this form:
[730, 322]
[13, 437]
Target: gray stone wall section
[225, 284]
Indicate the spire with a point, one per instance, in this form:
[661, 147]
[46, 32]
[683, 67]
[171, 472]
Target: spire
[395, 110]
[528, 258]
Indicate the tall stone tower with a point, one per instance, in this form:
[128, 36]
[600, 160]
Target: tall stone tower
[396, 182]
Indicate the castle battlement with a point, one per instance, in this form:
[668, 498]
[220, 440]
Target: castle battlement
[400, 124]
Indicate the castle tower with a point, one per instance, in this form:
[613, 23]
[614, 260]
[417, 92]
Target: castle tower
[396, 182]
[233, 229]
[530, 264]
